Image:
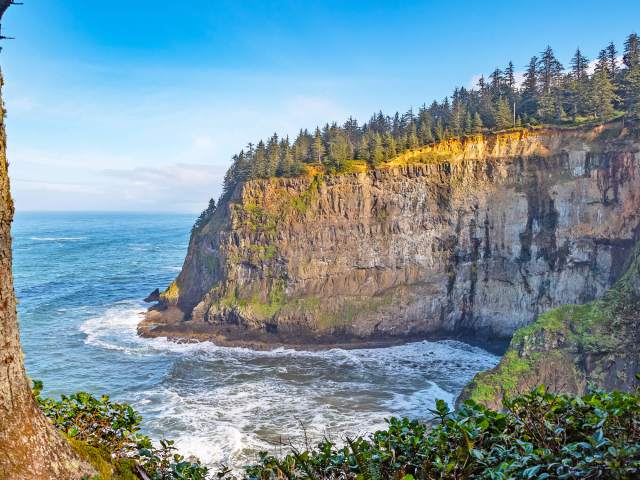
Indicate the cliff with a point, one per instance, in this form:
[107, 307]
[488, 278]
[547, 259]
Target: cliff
[475, 236]
[572, 348]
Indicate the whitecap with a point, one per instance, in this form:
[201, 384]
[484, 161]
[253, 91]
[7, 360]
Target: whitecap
[57, 239]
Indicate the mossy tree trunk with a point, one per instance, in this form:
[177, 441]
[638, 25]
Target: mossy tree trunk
[30, 448]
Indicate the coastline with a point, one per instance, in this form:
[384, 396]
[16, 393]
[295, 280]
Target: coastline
[237, 337]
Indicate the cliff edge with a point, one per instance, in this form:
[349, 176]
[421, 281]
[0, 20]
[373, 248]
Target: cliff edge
[477, 236]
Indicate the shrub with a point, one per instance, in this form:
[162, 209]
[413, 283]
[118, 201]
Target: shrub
[108, 435]
[540, 435]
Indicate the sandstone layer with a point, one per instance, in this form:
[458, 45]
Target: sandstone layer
[474, 236]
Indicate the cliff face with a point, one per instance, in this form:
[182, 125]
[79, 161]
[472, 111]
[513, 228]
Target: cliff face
[572, 347]
[478, 236]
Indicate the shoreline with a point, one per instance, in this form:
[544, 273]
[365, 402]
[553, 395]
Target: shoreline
[235, 337]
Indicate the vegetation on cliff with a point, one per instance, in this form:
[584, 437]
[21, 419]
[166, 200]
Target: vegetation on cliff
[571, 346]
[539, 435]
[548, 94]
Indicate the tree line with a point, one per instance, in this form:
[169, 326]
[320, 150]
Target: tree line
[547, 94]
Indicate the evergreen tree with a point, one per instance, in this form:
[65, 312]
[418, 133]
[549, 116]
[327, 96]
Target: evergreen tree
[602, 95]
[631, 57]
[631, 88]
[468, 123]
[612, 55]
[529, 104]
[390, 150]
[550, 75]
[504, 118]
[377, 150]
[273, 156]
[339, 151]
[317, 147]
[259, 164]
[510, 79]
[477, 123]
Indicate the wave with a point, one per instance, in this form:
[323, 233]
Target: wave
[224, 404]
[57, 239]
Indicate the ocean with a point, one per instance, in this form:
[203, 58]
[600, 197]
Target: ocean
[80, 279]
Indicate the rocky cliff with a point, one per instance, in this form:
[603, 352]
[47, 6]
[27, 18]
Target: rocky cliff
[572, 348]
[478, 235]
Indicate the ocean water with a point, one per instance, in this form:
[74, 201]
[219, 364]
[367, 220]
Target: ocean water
[79, 281]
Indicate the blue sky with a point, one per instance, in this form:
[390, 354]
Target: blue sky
[140, 107]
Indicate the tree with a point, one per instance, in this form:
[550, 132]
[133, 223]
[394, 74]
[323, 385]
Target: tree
[602, 95]
[339, 151]
[631, 88]
[376, 155]
[477, 123]
[550, 75]
[317, 147]
[504, 118]
[612, 56]
[468, 123]
[577, 90]
[631, 57]
[29, 445]
[529, 104]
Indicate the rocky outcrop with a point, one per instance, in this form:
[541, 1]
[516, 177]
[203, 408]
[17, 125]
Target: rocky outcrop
[572, 348]
[479, 236]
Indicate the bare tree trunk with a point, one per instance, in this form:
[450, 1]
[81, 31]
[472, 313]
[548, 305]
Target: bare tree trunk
[30, 447]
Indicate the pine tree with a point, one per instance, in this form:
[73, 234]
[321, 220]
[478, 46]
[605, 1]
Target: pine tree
[468, 123]
[577, 89]
[631, 88]
[504, 118]
[390, 150]
[612, 56]
[579, 65]
[477, 123]
[631, 57]
[510, 79]
[317, 147]
[259, 164]
[273, 156]
[530, 94]
[377, 150]
[602, 95]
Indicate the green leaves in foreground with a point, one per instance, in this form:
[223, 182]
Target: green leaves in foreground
[538, 436]
[113, 430]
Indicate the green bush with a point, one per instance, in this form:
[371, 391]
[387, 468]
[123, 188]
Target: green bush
[540, 435]
[108, 435]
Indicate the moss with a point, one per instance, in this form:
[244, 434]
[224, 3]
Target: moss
[301, 203]
[172, 293]
[106, 467]
[348, 311]
[98, 459]
[489, 387]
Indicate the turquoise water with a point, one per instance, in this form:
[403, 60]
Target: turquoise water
[80, 279]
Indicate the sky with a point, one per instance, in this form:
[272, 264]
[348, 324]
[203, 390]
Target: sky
[140, 107]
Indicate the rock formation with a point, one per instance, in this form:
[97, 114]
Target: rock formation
[572, 348]
[476, 236]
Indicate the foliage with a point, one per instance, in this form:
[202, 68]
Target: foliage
[540, 435]
[548, 94]
[108, 434]
[205, 216]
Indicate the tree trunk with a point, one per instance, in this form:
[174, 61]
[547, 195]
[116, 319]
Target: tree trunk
[30, 447]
